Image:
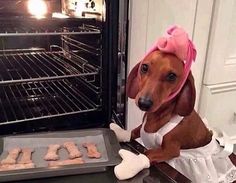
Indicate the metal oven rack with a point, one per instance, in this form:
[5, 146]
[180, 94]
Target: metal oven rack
[81, 46]
[42, 65]
[38, 83]
[84, 29]
[42, 99]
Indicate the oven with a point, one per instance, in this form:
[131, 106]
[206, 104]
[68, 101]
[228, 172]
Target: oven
[63, 68]
[57, 65]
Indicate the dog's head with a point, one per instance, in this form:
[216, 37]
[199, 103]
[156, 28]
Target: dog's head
[164, 74]
[155, 78]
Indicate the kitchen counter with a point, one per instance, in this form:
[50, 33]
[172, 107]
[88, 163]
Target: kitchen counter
[160, 172]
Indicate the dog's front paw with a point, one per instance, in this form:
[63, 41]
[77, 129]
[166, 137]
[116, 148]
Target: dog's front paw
[148, 152]
[131, 164]
[121, 134]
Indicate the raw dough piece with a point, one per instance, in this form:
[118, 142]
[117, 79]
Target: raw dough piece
[72, 150]
[11, 157]
[92, 150]
[52, 154]
[16, 166]
[66, 162]
[26, 156]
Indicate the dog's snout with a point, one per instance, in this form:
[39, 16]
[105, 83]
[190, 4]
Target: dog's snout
[145, 103]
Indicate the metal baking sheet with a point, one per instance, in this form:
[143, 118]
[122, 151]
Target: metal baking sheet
[40, 146]
[105, 139]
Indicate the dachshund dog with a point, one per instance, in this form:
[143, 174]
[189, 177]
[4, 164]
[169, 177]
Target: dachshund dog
[160, 76]
[176, 132]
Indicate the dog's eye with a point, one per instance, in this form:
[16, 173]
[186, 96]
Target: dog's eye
[144, 68]
[171, 77]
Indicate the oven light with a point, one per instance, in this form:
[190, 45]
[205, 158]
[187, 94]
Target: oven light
[38, 8]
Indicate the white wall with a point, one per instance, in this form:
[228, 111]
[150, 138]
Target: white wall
[149, 20]
[218, 99]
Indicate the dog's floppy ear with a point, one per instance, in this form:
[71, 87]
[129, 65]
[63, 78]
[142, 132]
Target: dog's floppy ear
[186, 98]
[132, 87]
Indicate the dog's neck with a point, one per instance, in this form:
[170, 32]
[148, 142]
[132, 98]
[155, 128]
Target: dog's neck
[157, 119]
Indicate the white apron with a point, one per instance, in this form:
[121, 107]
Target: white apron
[201, 165]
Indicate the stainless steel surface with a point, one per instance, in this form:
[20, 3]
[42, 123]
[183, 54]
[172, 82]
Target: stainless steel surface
[44, 99]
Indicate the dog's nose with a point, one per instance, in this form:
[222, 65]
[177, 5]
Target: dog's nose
[145, 103]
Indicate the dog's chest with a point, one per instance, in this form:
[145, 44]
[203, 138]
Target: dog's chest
[154, 140]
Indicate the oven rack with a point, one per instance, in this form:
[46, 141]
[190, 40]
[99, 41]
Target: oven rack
[78, 45]
[42, 65]
[45, 31]
[43, 99]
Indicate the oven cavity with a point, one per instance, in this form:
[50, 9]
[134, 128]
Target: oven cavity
[49, 67]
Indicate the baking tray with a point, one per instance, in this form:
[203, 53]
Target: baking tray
[104, 138]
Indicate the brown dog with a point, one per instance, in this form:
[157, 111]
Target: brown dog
[160, 76]
[150, 84]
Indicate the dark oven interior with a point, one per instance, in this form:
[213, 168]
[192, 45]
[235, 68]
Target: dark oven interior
[56, 66]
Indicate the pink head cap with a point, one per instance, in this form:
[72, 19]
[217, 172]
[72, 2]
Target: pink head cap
[177, 42]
